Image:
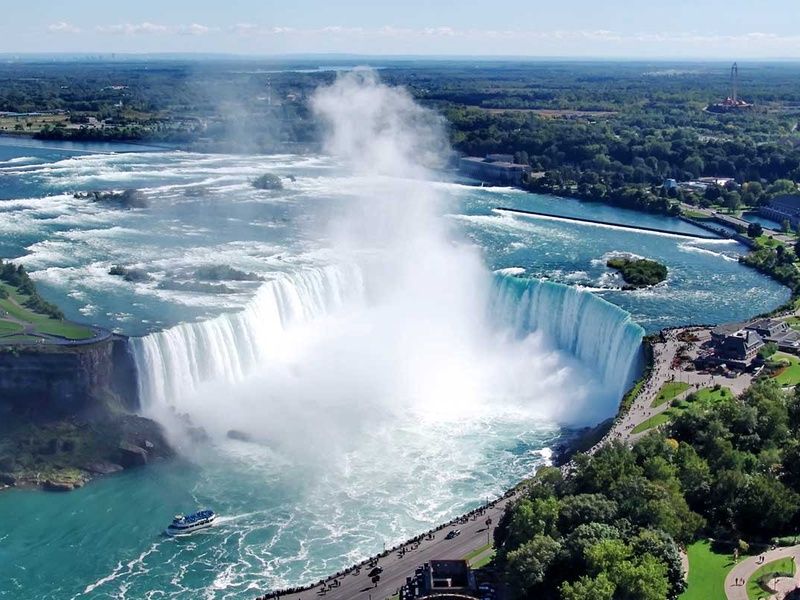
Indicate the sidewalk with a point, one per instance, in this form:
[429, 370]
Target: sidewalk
[745, 568]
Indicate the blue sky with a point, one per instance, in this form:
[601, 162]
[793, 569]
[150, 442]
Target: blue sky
[730, 29]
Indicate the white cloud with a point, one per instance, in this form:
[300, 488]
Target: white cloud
[62, 27]
[194, 29]
[447, 39]
[148, 28]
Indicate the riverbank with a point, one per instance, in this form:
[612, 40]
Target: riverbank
[638, 406]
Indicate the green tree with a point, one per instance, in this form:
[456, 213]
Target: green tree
[589, 588]
[644, 579]
[664, 548]
[768, 350]
[586, 508]
[531, 518]
[527, 566]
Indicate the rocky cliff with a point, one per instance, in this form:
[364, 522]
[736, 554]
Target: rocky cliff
[66, 415]
[51, 381]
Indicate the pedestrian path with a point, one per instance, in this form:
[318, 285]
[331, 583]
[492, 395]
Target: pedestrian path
[736, 581]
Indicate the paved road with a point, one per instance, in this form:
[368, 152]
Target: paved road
[396, 568]
[748, 566]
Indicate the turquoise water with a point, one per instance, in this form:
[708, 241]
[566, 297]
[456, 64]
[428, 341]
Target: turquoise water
[328, 479]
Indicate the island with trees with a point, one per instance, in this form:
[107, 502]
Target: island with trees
[638, 272]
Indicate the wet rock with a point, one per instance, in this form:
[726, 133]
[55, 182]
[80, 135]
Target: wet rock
[58, 486]
[7, 479]
[125, 199]
[102, 467]
[235, 434]
[132, 456]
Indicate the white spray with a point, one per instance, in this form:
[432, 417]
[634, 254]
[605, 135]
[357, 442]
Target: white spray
[396, 338]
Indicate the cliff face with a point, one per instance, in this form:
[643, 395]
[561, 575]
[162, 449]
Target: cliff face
[58, 381]
[65, 415]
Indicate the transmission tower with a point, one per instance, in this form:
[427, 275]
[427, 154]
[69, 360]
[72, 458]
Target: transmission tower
[735, 83]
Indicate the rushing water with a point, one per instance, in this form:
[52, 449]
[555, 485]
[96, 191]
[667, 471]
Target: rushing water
[327, 478]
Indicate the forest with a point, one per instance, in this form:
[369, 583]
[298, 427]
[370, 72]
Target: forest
[611, 528]
[597, 126]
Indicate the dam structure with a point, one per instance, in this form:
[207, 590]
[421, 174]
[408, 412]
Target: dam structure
[655, 230]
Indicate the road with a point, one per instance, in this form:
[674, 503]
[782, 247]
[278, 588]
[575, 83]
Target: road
[397, 566]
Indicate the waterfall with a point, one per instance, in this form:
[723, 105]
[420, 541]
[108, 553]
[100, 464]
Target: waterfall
[175, 362]
[598, 333]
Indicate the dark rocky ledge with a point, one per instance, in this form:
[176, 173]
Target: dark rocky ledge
[67, 416]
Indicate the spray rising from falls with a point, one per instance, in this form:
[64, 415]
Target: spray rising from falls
[408, 326]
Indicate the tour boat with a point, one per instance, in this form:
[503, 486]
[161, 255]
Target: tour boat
[185, 524]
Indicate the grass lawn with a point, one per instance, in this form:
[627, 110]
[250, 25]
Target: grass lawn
[14, 305]
[701, 396]
[9, 327]
[480, 557]
[791, 374]
[706, 395]
[783, 567]
[653, 421]
[668, 391]
[482, 560]
[707, 571]
[470, 555]
[764, 240]
[793, 322]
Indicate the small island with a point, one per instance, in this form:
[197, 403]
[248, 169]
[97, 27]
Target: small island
[268, 181]
[638, 272]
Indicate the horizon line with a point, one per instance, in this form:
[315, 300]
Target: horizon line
[387, 56]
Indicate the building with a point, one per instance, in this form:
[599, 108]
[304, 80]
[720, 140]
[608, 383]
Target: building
[783, 207]
[718, 181]
[509, 158]
[448, 577]
[736, 344]
[670, 184]
[779, 333]
[493, 171]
